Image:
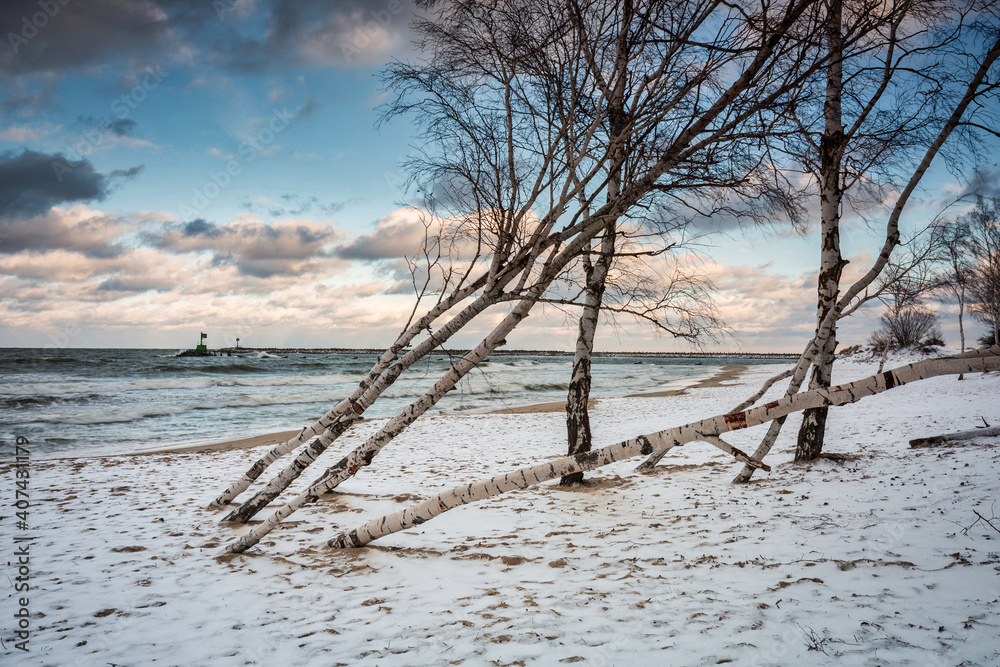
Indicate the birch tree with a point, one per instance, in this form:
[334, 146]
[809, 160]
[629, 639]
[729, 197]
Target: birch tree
[712, 75]
[706, 430]
[973, 98]
[984, 222]
[869, 129]
[954, 282]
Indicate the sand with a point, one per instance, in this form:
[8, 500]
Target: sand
[873, 557]
[725, 375]
[241, 443]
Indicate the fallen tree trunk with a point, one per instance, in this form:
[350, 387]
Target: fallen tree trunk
[981, 361]
[953, 437]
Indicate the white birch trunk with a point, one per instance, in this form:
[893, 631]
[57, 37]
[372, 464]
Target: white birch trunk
[345, 407]
[988, 360]
[578, 431]
[578, 434]
[360, 403]
[891, 241]
[831, 154]
[363, 455]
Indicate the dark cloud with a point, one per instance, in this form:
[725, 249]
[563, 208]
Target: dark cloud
[251, 246]
[228, 33]
[294, 205]
[31, 183]
[56, 36]
[126, 174]
[985, 182]
[320, 33]
[200, 227]
[123, 127]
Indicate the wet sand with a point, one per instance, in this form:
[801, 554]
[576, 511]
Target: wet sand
[723, 375]
[241, 443]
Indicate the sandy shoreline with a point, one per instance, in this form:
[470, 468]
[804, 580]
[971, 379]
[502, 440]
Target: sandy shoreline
[879, 549]
[724, 375]
[225, 446]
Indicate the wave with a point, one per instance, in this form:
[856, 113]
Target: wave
[83, 389]
[555, 386]
[147, 412]
[28, 402]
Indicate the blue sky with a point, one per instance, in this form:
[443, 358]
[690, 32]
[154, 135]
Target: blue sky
[218, 168]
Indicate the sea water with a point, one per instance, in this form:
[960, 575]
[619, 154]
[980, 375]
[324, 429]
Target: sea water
[71, 402]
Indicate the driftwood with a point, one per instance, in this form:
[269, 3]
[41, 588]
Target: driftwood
[953, 437]
[979, 361]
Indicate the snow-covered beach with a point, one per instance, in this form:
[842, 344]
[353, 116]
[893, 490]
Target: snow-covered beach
[862, 558]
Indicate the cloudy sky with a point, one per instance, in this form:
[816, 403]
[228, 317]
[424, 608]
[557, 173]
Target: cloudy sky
[176, 166]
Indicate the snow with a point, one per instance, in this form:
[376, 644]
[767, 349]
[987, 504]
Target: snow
[864, 560]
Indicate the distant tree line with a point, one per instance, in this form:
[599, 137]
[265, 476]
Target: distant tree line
[957, 262]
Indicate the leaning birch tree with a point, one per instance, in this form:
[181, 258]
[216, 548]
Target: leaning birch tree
[715, 73]
[865, 137]
[707, 430]
[959, 112]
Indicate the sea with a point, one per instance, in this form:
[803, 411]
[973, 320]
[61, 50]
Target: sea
[80, 402]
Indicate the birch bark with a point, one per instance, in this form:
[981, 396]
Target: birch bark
[578, 431]
[831, 149]
[360, 403]
[363, 455]
[981, 361]
[972, 92]
[347, 406]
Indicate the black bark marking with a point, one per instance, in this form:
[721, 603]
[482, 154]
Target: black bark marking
[890, 380]
[646, 447]
[587, 458]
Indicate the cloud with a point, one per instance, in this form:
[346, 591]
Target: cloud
[292, 205]
[123, 127]
[80, 229]
[985, 182]
[399, 234]
[126, 174]
[20, 133]
[256, 249]
[31, 183]
[319, 33]
[78, 34]
[346, 32]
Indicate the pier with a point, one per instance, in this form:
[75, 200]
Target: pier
[512, 353]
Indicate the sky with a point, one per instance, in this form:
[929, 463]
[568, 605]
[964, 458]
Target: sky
[169, 167]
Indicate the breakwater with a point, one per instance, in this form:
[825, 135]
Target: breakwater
[515, 353]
